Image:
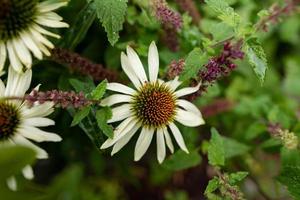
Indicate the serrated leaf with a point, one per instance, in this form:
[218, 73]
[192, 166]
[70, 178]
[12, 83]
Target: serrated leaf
[13, 159]
[193, 63]
[224, 11]
[80, 115]
[102, 116]
[99, 91]
[81, 86]
[234, 148]
[216, 149]
[79, 28]
[290, 177]
[236, 177]
[112, 16]
[256, 58]
[181, 160]
[213, 184]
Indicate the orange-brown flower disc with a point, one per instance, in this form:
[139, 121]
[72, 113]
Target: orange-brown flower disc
[154, 105]
[9, 120]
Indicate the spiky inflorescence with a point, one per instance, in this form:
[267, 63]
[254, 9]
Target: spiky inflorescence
[154, 105]
[189, 6]
[60, 98]
[218, 67]
[82, 65]
[276, 12]
[175, 68]
[9, 120]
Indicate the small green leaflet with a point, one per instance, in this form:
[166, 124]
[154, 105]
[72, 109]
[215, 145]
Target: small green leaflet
[80, 115]
[193, 63]
[99, 91]
[102, 116]
[213, 184]
[111, 14]
[235, 178]
[224, 11]
[216, 150]
[257, 58]
[80, 86]
[181, 160]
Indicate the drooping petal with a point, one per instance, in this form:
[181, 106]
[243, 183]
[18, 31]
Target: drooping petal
[178, 137]
[136, 65]
[118, 87]
[128, 69]
[47, 6]
[188, 106]
[28, 172]
[2, 55]
[38, 135]
[115, 99]
[2, 88]
[41, 110]
[17, 84]
[22, 52]
[12, 183]
[143, 143]
[120, 131]
[187, 90]
[119, 113]
[173, 84]
[161, 147]
[153, 62]
[39, 122]
[41, 153]
[124, 140]
[188, 118]
[168, 140]
[13, 58]
[31, 45]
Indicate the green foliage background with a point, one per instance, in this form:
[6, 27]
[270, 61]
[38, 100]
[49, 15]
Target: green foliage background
[265, 87]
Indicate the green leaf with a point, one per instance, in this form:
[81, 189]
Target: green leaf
[213, 184]
[79, 116]
[99, 91]
[234, 148]
[257, 58]
[290, 177]
[13, 159]
[80, 86]
[112, 16]
[224, 11]
[216, 149]
[181, 160]
[235, 178]
[102, 116]
[193, 63]
[79, 28]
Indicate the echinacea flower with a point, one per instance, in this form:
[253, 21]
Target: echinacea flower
[22, 32]
[19, 123]
[153, 106]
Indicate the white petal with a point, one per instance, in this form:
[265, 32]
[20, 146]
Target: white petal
[136, 65]
[31, 45]
[47, 6]
[188, 118]
[17, 83]
[41, 46]
[41, 153]
[44, 31]
[41, 110]
[188, 106]
[118, 87]
[143, 143]
[13, 58]
[124, 140]
[2, 88]
[178, 137]
[115, 99]
[2, 55]
[119, 113]
[173, 84]
[38, 135]
[161, 147]
[153, 62]
[12, 183]
[39, 37]
[120, 131]
[28, 172]
[51, 23]
[187, 90]
[39, 122]
[22, 52]
[128, 69]
[168, 139]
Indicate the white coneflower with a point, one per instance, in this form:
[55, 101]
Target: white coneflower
[22, 32]
[18, 122]
[153, 107]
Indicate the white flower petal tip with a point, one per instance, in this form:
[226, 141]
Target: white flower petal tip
[161, 147]
[28, 172]
[187, 90]
[143, 143]
[178, 137]
[153, 62]
[12, 183]
[188, 118]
